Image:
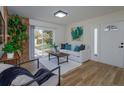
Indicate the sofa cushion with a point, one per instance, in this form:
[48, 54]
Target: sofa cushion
[72, 53]
[68, 46]
[77, 48]
[62, 46]
[82, 47]
[4, 66]
[22, 79]
[51, 81]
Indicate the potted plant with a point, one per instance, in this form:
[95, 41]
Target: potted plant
[55, 47]
[9, 49]
[18, 35]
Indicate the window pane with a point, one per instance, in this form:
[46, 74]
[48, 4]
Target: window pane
[96, 41]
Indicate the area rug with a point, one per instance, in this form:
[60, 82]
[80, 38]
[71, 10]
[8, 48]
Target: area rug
[65, 67]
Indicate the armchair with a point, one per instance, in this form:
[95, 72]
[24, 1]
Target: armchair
[26, 81]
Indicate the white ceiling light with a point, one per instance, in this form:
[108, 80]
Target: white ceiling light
[60, 14]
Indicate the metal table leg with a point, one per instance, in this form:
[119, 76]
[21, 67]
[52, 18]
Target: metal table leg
[58, 60]
[49, 56]
[67, 58]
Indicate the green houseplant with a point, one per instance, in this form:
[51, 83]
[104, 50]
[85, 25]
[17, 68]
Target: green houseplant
[17, 32]
[9, 49]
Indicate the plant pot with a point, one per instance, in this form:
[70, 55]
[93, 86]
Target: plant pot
[10, 55]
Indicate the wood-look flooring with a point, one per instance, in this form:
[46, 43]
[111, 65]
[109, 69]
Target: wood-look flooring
[93, 73]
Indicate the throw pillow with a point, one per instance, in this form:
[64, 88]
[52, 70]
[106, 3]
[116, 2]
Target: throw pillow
[68, 46]
[82, 47]
[77, 48]
[62, 46]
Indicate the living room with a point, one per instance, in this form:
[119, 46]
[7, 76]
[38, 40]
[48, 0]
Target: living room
[77, 42]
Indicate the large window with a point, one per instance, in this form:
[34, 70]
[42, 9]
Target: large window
[96, 41]
[43, 40]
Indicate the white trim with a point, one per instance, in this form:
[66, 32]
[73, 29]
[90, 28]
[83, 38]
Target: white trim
[31, 44]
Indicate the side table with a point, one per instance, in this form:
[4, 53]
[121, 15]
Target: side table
[12, 61]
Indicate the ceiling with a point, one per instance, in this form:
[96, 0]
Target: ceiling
[75, 13]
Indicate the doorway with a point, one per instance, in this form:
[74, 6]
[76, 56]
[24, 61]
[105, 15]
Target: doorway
[43, 41]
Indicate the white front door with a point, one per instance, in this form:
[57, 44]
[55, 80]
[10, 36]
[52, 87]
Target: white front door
[112, 43]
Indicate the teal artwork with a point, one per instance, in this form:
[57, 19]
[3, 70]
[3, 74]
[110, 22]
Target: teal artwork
[76, 33]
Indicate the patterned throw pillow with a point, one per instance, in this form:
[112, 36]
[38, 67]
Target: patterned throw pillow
[82, 47]
[77, 48]
[68, 46]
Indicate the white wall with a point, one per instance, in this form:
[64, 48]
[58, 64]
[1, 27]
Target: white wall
[90, 24]
[1, 9]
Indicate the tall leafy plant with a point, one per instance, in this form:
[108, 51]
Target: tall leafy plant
[17, 32]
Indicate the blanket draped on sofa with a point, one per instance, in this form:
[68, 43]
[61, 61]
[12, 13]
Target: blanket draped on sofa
[8, 75]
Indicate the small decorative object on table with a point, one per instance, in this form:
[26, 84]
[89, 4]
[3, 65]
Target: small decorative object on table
[55, 47]
[9, 49]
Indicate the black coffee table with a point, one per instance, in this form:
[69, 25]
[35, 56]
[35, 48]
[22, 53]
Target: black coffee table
[58, 55]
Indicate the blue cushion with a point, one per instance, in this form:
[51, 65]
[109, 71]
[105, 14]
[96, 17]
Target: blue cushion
[77, 48]
[68, 46]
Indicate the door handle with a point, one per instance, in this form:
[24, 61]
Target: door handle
[122, 43]
[121, 46]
